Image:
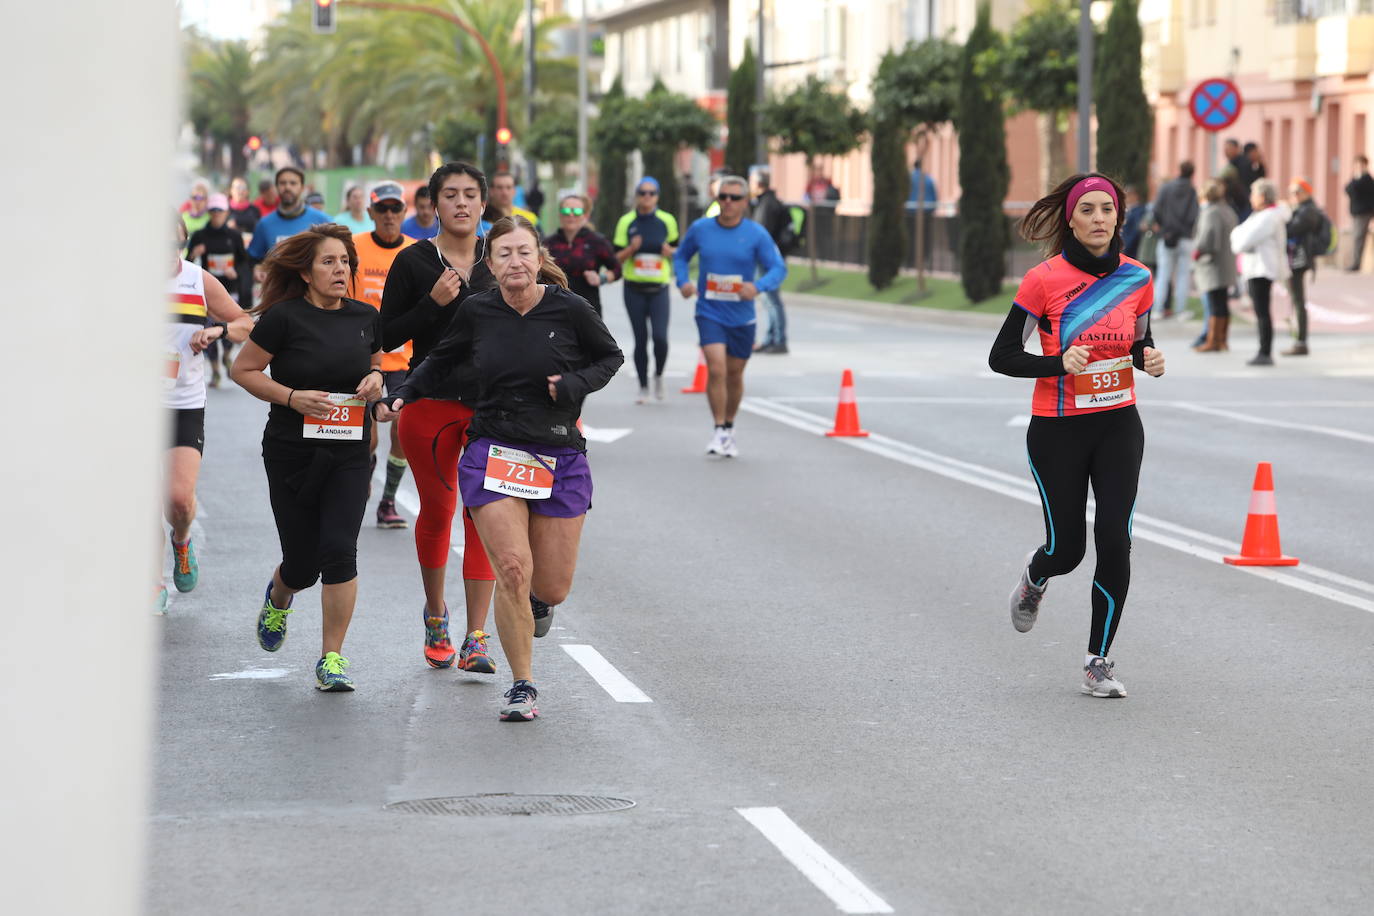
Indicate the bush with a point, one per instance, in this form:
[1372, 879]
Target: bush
[983, 171]
[887, 239]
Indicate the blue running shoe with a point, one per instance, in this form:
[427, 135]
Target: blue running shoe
[329, 674]
[520, 701]
[272, 623]
[160, 600]
[185, 569]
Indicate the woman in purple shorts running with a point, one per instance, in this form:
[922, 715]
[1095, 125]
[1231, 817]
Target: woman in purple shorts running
[539, 350]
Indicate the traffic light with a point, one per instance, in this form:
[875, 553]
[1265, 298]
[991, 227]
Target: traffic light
[255, 143]
[503, 136]
[324, 17]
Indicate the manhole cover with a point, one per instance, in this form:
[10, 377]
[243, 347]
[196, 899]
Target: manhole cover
[504, 804]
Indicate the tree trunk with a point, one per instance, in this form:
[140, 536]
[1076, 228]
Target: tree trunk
[1054, 160]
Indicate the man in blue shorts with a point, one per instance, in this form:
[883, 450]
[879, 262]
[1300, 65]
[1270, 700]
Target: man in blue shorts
[731, 249]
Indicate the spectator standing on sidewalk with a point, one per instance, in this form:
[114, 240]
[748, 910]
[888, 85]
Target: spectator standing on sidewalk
[1360, 190]
[1214, 264]
[1175, 213]
[1133, 224]
[1262, 242]
[772, 215]
[1302, 256]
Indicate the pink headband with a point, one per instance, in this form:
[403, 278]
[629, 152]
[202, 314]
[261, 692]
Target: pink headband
[1083, 187]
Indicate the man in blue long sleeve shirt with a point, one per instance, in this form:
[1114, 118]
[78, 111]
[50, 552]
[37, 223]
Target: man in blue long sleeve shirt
[731, 249]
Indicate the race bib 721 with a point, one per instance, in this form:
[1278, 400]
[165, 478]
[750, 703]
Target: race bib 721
[512, 472]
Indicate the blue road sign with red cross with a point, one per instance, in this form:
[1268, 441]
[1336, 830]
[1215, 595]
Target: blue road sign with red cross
[1215, 104]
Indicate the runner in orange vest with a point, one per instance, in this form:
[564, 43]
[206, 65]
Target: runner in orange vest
[377, 251]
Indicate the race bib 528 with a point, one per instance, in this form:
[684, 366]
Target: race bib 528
[345, 420]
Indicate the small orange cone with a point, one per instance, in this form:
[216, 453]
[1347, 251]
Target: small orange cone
[1260, 546]
[698, 385]
[847, 413]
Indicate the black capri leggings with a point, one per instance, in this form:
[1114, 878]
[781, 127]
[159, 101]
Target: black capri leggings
[648, 306]
[1066, 453]
[319, 496]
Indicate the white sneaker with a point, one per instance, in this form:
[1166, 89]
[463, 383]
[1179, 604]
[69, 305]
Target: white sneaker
[731, 450]
[658, 387]
[643, 396]
[1099, 679]
[717, 445]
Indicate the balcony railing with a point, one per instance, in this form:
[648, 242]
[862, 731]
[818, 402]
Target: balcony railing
[1287, 12]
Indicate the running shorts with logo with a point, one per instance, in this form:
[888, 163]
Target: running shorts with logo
[557, 482]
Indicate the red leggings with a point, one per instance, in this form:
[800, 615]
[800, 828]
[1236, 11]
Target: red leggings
[433, 433]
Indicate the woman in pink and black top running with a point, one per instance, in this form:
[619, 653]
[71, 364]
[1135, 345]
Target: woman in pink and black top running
[1091, 307]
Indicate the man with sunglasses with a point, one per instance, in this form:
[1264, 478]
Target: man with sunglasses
[644, 240]
[731, 249]
[377, 251]
[581, 251]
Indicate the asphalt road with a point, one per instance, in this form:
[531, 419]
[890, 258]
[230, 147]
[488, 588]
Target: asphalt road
[821, 629]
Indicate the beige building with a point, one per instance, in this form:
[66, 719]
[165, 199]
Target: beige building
[1303, 70]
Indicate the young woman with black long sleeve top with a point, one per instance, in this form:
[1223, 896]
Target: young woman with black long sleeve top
[325, 353]
[1091, 306]
[538, 351]
[428, 283]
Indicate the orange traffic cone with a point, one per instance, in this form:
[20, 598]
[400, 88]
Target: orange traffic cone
[847, 413]
[699, 382]
[1260, 546]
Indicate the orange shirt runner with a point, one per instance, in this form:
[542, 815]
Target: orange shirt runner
[374, 263]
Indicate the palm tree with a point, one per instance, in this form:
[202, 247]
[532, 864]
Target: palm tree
[220, 97]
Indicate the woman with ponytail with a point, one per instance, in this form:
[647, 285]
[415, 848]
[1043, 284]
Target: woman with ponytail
[537, 350]
[1091, 307]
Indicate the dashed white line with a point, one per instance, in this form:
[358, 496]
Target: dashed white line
[607, 675]
[821, 868]
[1147, 528]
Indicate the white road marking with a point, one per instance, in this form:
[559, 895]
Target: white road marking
[1334, 316]
[1147, 528]
[820, 868]
[1022, 420]
[1277, 424]
[604, 673]
[592, 434]
[251, 674]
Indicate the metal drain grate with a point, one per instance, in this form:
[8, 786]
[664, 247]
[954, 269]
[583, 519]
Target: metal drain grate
[502, 804]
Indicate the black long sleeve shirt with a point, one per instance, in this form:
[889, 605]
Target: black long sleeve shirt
[513, 355]
[409, 313]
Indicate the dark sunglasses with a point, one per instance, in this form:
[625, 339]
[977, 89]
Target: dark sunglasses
[646, 192]
[393, 206]
[730, 197]
[197, 196]
[571, 211]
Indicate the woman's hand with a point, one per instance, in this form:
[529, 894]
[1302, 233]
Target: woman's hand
[592, 277]
[370, 388]
[1154, 362]
[386, 411]
[311, 403]
[553, 387]
[447, 287]
[1074, 359]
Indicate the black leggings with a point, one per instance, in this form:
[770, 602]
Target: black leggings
[319, 496]
[1065, 454]
[1297, 288]
[1259, 289]
[648, 306]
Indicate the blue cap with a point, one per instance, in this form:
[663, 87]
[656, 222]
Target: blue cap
[647, 180]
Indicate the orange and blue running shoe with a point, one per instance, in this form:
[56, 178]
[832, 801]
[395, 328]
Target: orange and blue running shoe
[473, 655]
[185, 569]
[438, 647]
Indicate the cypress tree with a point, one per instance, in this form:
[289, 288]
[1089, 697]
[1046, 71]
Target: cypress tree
[741, 114]
[612, 137]
[887, 225]
[1125, 121]
[983, 171]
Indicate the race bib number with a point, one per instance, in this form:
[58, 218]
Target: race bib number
[648, 263]
[1104, 383]
[724, 287]
[345, 420]
[219, 264]
[171, 368]
[512, 472]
